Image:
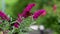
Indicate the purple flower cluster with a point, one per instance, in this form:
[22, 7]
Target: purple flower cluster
[4, 16]
[38, 13]
[25, 14]
[19, 19]
[16, 25]
[26, 11]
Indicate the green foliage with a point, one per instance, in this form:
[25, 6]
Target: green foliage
[5, 25]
